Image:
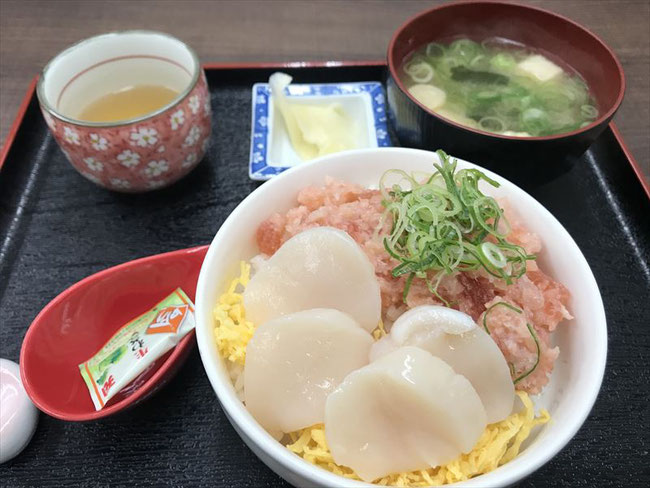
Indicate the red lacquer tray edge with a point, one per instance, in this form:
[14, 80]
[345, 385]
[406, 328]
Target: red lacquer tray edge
[628, 155]
[20, 115]
[18, 120]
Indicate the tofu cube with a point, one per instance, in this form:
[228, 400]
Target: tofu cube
[540, 67]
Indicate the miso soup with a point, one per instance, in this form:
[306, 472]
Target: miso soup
[498, 86]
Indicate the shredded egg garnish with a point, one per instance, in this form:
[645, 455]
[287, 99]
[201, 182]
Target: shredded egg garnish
[232, 331]
[499, 443]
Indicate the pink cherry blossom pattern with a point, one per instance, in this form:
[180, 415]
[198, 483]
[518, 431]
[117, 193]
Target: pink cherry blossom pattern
[155, 184]
[98, 142]
[144, 136]
[138, 157]
[71, 136]
[120, 184]
[194, 104]
[156, 168]
[93, 164]
[128, 158]
[177, 119]
[190, 159]
[193, 136]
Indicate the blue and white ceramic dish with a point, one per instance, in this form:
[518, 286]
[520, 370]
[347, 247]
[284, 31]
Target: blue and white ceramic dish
[272, 152]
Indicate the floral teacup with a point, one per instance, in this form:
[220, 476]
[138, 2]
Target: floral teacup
[139, 154]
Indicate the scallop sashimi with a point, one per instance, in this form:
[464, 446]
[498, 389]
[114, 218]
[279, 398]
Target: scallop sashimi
[455, 338]
[293, 363]
[406, 411]
[320, 267]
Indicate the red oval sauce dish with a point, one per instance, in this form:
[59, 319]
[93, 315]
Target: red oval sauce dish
[79, 321]
[523, 159]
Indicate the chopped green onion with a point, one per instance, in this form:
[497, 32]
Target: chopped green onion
[512, 369]
[441, 225]
[532, 333]
[493, 254]
[486, 96]
[503, 61]
[589, 111]
[505, 304]
[434, 50]
[535, 121]
[449, 63]
[464, 49]
[420, 72]
[492, 124]
[478, 61]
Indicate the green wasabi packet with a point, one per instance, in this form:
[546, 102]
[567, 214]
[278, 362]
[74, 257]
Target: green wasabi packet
[136, 345]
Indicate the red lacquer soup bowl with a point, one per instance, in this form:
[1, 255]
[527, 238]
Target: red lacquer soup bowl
[79, 321]
[523, 159]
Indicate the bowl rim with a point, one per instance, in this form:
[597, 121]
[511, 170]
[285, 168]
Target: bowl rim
[47, 106]
[393, 70]
[254, 435]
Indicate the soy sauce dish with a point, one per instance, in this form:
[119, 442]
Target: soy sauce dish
[479, 53]
[326, 323]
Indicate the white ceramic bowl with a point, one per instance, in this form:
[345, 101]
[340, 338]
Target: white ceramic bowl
[583, 342]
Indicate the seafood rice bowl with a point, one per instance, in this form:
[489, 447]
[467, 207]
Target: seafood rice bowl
[398, 317]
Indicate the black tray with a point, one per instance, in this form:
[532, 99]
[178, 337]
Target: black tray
[56, 228]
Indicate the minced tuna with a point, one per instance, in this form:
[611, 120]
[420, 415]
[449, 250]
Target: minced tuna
[359, 211]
